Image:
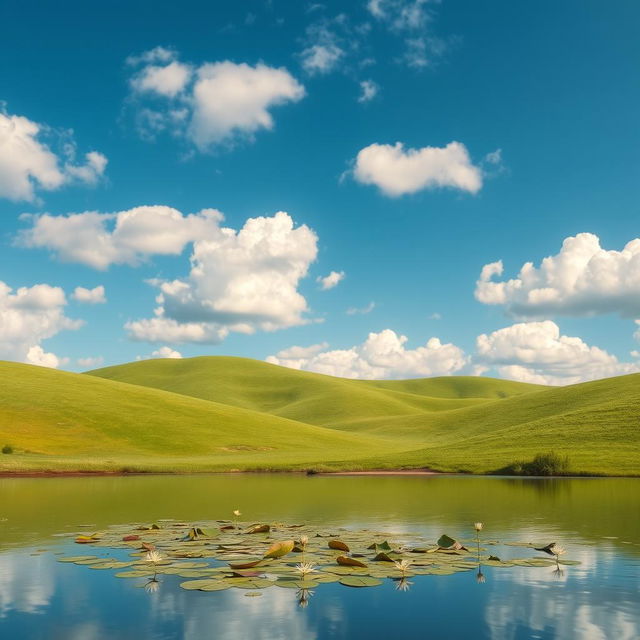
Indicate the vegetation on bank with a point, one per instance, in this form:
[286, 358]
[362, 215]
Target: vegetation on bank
[224, 414]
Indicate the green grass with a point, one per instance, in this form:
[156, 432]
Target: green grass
[222, 413]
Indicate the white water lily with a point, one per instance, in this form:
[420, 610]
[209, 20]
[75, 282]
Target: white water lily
[236, 513]
[480, 579]
[304, 568]
[304, 540]
[403, 565]
[153, 556]
[478, 526]
[557, 550]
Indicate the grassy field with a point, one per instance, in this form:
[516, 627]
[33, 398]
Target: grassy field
[221, 413]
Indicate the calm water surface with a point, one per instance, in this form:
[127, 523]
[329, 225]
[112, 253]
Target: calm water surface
[597, 520]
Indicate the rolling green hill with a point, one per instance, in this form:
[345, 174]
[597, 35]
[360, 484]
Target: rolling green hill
[218, 413]
[309, 397]
[69, 420]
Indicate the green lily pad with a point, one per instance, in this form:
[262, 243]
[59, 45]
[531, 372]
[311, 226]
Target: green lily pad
[360, 581]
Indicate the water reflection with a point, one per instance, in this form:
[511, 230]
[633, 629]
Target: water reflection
[42, 599]
[26, 583]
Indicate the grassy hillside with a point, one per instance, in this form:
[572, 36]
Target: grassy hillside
[71, 419]
[309, 397]
[223, 413]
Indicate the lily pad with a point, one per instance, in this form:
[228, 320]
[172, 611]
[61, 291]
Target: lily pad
[360, 581]
[279, 549]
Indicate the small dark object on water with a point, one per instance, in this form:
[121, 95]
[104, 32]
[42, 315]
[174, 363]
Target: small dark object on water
[7, 448]
[547, 549]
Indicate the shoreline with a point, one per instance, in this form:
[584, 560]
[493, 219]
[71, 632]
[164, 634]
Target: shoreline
[372, 472]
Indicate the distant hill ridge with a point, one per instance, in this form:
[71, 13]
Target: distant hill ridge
[217, 413]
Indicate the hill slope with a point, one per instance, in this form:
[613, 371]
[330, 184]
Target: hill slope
[305, 396]
[223, 413]
[450, 423]
[61, 414]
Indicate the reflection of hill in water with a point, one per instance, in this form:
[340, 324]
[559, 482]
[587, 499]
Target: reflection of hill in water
[586, 509]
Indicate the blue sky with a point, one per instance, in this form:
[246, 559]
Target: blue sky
[410, 144]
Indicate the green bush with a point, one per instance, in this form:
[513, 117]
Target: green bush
[548, 464]
[7, 448]
[543, 464]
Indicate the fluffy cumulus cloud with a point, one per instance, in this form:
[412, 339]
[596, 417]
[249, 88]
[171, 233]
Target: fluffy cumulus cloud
[162, 352]
[240, 281]
[231, 100]
[583, 279]
[27, 317]
[99, 240]
[537, 352]
[330, 281]
[90, 296]
[398, 171]
[382, 355]
[167, 80]
[209, 105]
[28, 164]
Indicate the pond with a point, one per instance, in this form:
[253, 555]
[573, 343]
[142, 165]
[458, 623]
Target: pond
[596, 520]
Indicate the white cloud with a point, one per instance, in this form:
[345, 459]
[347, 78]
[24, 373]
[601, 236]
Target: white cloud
[321, 58]
[211, 105]
[91, 172]
[401, 15]
[231, 100]
[396, 171]
[27, 317]
[126, 237]
[162, 329]
[382, 355]
[330, 281]
[494, 157]
[369, 90]
[411, 20]
[41, 358]
[155, 55]
[240, 281]
[168, 80]
[90, 296]
[27, 163]
[326, 42]
[162, 352]
[434, 316]
[583, 279]
[352, 311]
[90, 362]
[537, 352]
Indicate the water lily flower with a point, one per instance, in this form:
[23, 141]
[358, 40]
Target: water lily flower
[304, 540]
[153, 556]
[480, 579]
[403, 565]
[557, 550]
[236, 513]
[305, 568]
[478, 526]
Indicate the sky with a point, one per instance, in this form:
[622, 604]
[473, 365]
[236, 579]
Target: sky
[369, 189]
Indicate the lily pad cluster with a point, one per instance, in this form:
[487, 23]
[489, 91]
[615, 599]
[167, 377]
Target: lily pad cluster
[220, 555]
